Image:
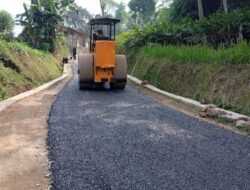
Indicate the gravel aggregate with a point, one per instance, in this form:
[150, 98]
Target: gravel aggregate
[123, 140]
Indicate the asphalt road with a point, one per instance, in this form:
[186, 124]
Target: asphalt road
[119, 140]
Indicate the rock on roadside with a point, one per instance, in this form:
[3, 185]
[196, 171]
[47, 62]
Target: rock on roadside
[243, 124]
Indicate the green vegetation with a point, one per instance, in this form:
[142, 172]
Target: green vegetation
[218, 76]
[61, 50]
[23, 68]
[183, 9]
[219, 28]
[78, 18]
[200, 54]
[107, 6]
[195, 48]
[142, 11]
[6, 22]
[41, 20]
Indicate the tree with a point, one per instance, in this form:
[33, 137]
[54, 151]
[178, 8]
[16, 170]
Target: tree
[164, 3]
[124, 16]
[40, 22]
[6, 22]
[108, 7]
[183, 9]
[78, 18]
[143, 10]
[103, 6]
[162, 15]
[121, 11]
[188, 9]
[242, 4]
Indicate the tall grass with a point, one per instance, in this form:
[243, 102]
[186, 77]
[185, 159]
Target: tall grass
[237, 54]
[219, 76]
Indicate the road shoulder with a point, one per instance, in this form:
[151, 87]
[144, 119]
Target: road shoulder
[192, 111]
[23, 157]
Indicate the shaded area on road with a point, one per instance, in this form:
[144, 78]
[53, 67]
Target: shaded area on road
[103, 139]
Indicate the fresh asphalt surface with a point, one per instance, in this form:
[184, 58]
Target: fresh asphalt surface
[102, 139]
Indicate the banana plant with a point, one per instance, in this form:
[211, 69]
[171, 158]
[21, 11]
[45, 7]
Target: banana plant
[40, 21]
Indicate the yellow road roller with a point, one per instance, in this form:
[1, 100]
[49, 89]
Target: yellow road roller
[101, 64]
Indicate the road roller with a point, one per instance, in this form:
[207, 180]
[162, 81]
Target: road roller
[100, 64]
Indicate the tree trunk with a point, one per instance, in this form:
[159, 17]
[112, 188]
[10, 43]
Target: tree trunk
[241, 38]
[201, 17]
[225, 4]
[200, 9]
[103, 5]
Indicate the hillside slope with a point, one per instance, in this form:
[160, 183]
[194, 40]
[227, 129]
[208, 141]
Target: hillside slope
[23, 68]
[220, 77]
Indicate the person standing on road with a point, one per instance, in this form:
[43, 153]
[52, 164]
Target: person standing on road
[74, 53]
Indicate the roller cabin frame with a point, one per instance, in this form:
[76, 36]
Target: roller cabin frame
[102, 64]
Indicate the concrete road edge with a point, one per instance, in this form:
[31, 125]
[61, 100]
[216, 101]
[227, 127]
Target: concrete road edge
[228, 115]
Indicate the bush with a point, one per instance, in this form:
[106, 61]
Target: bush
[219, 28]
[224, 28]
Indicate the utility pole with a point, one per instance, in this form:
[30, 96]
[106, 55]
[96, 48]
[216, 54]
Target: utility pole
[200, 9]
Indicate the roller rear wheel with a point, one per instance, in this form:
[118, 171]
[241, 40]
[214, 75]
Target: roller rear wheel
[86, 71]
[120, 73]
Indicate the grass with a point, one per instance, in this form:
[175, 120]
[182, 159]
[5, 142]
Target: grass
[23, 68]
[237, 54]
[9, 80]
[220, 77]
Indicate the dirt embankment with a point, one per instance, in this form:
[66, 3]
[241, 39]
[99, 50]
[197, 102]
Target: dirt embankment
[227, 86]
[23, 68]
[23, 156]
